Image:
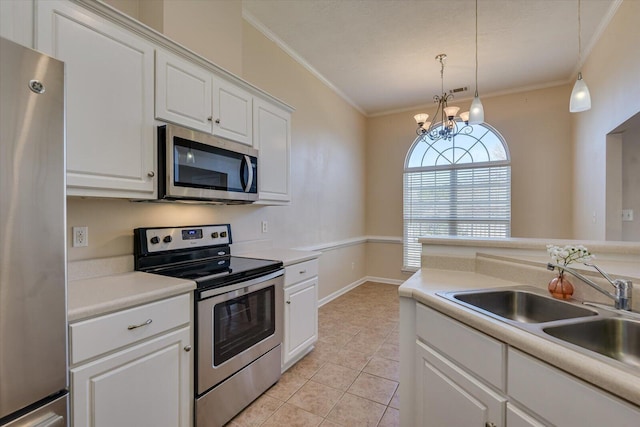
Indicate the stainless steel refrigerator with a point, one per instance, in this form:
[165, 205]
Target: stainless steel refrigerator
[33, 312]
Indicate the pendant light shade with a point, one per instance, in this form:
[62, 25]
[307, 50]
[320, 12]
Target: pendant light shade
[476, 112]
[580, 97]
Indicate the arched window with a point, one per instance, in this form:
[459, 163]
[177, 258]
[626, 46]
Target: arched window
[460, 187]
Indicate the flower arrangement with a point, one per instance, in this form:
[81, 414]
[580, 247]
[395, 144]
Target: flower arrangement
[568, 254]
[560, 287]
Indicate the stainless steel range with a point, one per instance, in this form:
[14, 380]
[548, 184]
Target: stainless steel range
[238, 314]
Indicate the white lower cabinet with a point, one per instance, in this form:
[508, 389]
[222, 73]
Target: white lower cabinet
[142, 378]
[452, 397]
[466, 378]
[300, 311]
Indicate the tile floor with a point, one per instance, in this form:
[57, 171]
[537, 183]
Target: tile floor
[350, 378]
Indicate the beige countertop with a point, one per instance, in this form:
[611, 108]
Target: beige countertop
[616, 378]
[100, 295]
[287, 256]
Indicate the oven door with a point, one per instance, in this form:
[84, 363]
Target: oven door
[236, 325]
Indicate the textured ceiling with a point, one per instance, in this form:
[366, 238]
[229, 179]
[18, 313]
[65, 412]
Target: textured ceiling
[379, 54]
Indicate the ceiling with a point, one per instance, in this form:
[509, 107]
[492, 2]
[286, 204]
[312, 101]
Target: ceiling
[380, 54]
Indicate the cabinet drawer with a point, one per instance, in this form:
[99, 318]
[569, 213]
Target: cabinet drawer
[564, 400]
[473, 350]
[298, 272]
[90, 338]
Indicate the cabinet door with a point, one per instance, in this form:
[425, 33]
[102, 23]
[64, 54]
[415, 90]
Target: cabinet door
[272, 137]
[518, 418]
[300, 318]
[183, 92]
[16, 21]
[232, 110]
[147, 385]
[109, 85]
[448, 396]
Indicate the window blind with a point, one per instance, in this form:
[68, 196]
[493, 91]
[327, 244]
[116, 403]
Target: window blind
[469, 202]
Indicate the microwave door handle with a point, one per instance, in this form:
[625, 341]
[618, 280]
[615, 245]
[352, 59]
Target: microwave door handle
[246, 163]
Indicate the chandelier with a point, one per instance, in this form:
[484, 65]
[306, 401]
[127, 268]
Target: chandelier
[447, 128]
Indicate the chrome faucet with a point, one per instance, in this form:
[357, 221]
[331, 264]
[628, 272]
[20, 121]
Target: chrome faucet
[624, 288]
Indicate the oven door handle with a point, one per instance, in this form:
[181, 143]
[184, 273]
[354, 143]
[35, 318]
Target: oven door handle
[251, 285]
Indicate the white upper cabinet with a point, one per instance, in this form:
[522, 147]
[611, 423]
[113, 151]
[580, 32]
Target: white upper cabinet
[272, 138]
[232, 109]
[192, 96]
[109, 86]
[16, 21]
[183, 92]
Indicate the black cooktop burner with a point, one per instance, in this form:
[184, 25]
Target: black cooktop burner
[221, 271]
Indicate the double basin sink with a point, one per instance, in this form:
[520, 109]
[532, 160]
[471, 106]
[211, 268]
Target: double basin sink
[611, 333]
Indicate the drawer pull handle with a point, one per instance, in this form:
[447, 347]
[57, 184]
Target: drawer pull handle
[288, 302]
[303, 271]
[490, 424]
[131, 327]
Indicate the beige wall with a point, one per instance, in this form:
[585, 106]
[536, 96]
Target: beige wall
[210, 28]
[536, 127]
[631, 183]
[612, 73]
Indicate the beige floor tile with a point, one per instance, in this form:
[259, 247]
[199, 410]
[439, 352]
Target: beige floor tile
[391, 418]
[373, 388]
[307, 367]
[395, 400]
[258, 412]
[316, 398]
[335, 376]
[327, 423]
[350, 359]
[354, 411]
[336, 338]
[393, 338]
[289, 383]
[385, 368]
[291, 416]
[362, 346]
[389, 351]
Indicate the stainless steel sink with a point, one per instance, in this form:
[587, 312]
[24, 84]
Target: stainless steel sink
[616, 338]
[519, 305]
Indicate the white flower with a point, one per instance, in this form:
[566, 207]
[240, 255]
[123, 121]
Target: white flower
[569, 253]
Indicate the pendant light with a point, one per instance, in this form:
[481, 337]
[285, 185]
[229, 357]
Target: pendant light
[476, 112]
[580, 97]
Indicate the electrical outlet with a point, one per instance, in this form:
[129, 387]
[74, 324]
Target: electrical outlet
[627, 214]
[265, 227]
[80, 236]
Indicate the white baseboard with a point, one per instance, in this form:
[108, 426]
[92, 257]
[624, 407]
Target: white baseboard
[355, 284]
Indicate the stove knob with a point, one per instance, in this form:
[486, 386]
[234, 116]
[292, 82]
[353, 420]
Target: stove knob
[223, 234]
[154, 240]
[214, 235]
[167, 239]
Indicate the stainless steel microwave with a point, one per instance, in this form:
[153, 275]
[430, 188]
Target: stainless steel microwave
[196, 166]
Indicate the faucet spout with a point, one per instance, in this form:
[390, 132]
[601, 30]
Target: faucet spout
[624, 288]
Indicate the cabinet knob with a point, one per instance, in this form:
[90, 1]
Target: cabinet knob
[489, 424]
[288, 302]
[303, 271]
[217, 121]
[187, 348]
[151, 174]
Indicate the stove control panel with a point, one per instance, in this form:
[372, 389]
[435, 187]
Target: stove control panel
[172, 238]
